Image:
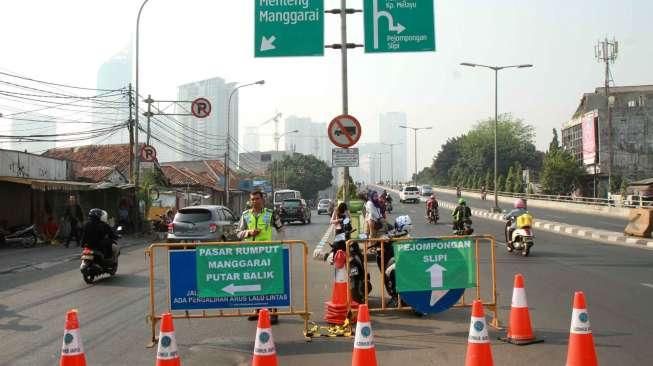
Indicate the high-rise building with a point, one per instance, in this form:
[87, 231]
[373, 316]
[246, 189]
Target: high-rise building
[115, 73]
[205, 138]
[251, 140]
[391, 133]
[22, 128]
[310, 138]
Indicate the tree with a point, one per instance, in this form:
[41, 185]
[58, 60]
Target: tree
[560, 173]
[352, 190]
[518, 185]
[304, 173]
[489, 181]
[510, 181]
[500, 183]
[554, 145]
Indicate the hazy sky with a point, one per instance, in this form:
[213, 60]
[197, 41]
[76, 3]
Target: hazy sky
[66, 41]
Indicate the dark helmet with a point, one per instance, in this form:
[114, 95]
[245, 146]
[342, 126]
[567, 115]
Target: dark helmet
[95, 214]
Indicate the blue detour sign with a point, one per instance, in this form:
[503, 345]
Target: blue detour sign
[184, 295]
[432, 302]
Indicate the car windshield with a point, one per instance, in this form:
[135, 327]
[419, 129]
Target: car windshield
[280, 196]
[193, 215]
[324, 202]
[411, 189]
[291, 203]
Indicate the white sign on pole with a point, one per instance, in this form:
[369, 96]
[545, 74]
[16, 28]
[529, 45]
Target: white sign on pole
[344, 157]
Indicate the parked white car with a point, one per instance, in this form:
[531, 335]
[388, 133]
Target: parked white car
[409, 193]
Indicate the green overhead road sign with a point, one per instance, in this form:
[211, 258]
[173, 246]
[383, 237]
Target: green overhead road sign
[435, 264]
[242, 269]
[288, 28]
[399, 25]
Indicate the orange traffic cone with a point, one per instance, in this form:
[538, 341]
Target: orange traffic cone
[72, 349]
[167, 353]
[581, 350]
[364, 352]
[479, 352]
[336, 309]
[265, 354]
[520, 331]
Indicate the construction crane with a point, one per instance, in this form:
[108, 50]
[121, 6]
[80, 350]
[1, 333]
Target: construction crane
[276, 135]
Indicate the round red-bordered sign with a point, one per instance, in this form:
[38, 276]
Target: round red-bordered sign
[148, 153]
[344, 131]
[200, 108]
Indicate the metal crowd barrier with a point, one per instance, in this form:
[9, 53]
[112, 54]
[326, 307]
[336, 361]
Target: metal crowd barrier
[490, 304]
[153, 318]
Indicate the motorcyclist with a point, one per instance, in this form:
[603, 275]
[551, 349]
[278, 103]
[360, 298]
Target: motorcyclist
[461, 214]
[458, 191]
[511, 217]
[431, 204]
[483, 193]
[97, 234]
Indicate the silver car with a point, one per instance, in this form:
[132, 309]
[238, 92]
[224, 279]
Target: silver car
[325, 206]
[203, 223]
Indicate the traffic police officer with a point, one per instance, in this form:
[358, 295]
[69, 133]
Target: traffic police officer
[256, 225]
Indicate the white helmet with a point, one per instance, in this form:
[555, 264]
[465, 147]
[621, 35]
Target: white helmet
[105, 217]
[403, 223]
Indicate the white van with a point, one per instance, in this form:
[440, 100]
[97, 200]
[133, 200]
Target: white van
[284, 194]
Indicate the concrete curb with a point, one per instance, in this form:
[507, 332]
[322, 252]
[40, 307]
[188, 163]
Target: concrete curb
[318, 253]
[602, 236]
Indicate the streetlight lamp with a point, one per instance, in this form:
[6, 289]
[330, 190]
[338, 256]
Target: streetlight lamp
[392, 169]
[415, 129]
[278, 137]
[496, 118]
[228, 139]
[136, 151]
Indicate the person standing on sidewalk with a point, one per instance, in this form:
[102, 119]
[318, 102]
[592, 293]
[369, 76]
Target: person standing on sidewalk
[75, 218]
[256, 225]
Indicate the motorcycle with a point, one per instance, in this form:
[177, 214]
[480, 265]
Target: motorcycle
[388, 258]
[356, 263]
[459, 193]
[94, 263]
[433, 216]
[483, 195]
[160, 226]
[522, 237]
[464, 229]
[26, 236]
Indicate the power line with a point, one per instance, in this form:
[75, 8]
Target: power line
[51, 83]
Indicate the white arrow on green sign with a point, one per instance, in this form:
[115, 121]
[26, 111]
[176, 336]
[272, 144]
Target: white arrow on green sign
[235, 270]
[288, 28]
[435, 264]
[399, 25]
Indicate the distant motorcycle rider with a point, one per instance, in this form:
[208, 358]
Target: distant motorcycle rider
[431, 204]
[97, 234]
[511, 217]
[461, 214]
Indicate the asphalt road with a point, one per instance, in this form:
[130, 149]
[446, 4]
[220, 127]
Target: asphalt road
[562, 216]
[617, 281]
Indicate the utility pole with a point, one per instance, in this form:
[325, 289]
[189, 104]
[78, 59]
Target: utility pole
[130, 125]
[343, 46]
[392, 169]
[149, 115]
[606, 52]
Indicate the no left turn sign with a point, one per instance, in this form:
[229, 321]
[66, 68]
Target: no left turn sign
[344, 131]
[201, 108]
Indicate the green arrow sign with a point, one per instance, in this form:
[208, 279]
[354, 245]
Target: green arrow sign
[399, 25]
[435, 264]
[234, 270]
[288, 28]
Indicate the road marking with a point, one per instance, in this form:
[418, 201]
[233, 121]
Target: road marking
[318, 253]
[646, 284]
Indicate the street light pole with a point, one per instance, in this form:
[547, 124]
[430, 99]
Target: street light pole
[278, 137]
[136, 151]
[415, 129]
[228, 139]
[496, 119]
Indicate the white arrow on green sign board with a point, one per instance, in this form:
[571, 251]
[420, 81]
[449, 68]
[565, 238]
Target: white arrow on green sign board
[435, 264]
[288, 28]
[243, 269]
[399, 25]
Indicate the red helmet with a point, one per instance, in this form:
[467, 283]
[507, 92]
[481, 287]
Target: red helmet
[520, 203]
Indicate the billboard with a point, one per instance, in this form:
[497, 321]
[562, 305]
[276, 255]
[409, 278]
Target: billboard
[590, 141]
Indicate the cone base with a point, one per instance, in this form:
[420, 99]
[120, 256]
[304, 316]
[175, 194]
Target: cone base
[520, 342]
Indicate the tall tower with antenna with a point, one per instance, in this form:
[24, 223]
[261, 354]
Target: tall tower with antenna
[606, 52]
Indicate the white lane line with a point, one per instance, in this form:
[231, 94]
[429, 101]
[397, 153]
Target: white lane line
[318, 253]
[646, 284]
